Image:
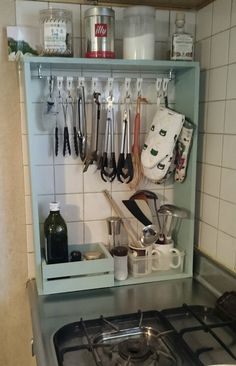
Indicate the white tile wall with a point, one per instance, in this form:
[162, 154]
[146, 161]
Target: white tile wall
[221, 15]
[204, 22]
[217, 184]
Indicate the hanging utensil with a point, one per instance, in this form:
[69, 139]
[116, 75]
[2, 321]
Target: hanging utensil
[133, 207]
[50, 99]
[82, 128]
[136, 150]
[108, 161]
[149, 235]
[92, 155]
[170, 215]
[56, 137]
[128, 228]
[125, 171]
[68, 113]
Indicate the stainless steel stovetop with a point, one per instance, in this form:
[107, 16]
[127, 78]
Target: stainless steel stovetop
[187, 335]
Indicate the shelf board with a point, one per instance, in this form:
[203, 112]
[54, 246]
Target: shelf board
[159, 4]
[108, 64]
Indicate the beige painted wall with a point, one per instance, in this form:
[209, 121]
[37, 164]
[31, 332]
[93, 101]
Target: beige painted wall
[15, 331]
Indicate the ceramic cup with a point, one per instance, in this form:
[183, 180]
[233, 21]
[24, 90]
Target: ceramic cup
[142, 259]
[120, 256]
[166, 257]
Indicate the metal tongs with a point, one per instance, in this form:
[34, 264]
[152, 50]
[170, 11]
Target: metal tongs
[82, 124]
[125, 170]
[108, 161]
[92, 155]
[68, 117]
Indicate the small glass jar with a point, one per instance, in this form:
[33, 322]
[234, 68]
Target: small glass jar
[139, 37]
[56, 26]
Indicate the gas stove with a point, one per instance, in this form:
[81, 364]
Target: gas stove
[187, 335]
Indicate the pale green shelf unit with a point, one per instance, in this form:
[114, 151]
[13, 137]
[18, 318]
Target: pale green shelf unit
[186, 79]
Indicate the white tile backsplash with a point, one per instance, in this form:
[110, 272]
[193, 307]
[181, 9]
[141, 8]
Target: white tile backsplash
[208, 241]
[231, 90]
[233, 13]
[43, 207]
[93, 181]
[204, 22]
[232, 48]
[228, 185]
[229, 144]
[227, 218]
[72, 206]
[217, 83]
[219, 49]
[203, 52]
[27, 12]
[69, 178]
[75, 233]
[96, 207]
[213, 149]
[211, 180]
[221, 15]
[215, 117]
[230, 113]
[218, 173]
[95, 231]
[210, 210]
[162, 25]
[226, 250]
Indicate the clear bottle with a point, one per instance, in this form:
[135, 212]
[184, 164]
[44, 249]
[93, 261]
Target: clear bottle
[182, 42]
[55, 231]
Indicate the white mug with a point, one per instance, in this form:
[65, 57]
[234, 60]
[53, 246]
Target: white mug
[166, 257]
[142, 259]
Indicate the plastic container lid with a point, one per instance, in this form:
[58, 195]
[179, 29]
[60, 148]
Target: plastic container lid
[120, 251]
[54, 206]
[52, 13]
[139, 10]
[97, 10]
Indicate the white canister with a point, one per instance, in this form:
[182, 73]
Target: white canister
[120, 256]
[139, 37]
[56, 29]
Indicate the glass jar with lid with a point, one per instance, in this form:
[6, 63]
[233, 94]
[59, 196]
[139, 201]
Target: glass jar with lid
[56, 31]
[139, 37]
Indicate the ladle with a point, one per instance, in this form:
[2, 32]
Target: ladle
[150, 235]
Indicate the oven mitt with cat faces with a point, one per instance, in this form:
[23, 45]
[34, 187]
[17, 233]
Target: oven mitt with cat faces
[182, 151]
[162, 171]
[162, 137]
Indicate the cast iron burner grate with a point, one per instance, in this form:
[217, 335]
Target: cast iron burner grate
[189, 335]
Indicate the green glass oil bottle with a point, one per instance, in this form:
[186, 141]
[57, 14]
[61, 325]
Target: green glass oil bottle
[56, 240]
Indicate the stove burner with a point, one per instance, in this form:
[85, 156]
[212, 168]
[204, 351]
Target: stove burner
[135, 350]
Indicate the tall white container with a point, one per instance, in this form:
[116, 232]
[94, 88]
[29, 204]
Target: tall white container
[139, 37]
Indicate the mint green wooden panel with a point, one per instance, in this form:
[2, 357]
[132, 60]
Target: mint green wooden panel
[78, 284]
[81, 268]
[187, 102]
[187, 90]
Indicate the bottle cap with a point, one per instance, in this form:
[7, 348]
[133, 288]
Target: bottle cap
[180, 16]
[54, 206]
